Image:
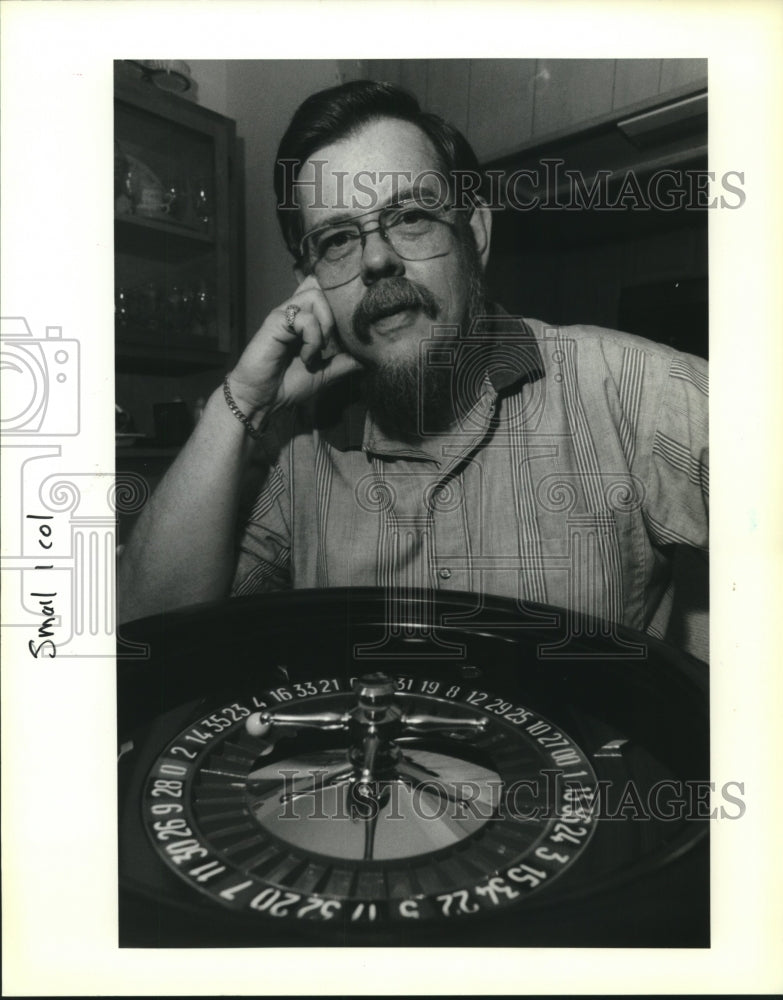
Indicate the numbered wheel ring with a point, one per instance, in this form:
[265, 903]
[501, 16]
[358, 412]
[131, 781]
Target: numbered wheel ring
[550, 772]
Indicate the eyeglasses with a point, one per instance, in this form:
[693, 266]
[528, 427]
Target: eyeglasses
[334, 253]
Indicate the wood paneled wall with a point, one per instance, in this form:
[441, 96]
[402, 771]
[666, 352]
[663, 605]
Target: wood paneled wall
[504, 105]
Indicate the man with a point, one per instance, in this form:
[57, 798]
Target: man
[387, 426]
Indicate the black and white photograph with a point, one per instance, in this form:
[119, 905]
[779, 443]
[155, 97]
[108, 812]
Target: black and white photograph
[459, 554]
[399, 607]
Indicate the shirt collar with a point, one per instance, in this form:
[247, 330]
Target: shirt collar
[512, 359]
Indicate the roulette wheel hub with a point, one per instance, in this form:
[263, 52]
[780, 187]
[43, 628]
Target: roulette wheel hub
[358, 784]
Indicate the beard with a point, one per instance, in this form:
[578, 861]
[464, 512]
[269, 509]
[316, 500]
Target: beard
[408, 398]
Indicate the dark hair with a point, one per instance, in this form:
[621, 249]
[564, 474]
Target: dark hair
[334, 114]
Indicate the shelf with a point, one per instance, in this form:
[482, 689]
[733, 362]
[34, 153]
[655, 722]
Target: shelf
[162, 241]
[178, 312]
[161, 226]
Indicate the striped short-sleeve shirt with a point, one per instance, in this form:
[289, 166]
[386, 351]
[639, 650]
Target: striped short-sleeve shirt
[578, 474]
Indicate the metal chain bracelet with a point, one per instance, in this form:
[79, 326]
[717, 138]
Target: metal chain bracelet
[251, 430]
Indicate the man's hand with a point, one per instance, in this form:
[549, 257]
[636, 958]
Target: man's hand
[281, 366]
[165, 567]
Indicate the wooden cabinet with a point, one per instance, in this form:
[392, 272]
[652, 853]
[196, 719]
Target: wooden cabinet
[175, 234]
[500, 105]
[569, 92]
[177, 303]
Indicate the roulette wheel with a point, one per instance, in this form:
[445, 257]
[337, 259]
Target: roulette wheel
[354, 768]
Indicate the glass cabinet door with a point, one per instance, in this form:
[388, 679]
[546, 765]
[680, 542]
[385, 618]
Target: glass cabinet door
[174, 233]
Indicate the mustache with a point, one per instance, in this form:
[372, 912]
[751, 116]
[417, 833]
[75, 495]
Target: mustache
[390, 296]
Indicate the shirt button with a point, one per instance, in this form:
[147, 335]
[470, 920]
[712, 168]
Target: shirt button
[444, 574]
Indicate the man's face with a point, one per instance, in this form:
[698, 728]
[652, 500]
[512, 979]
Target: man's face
[357, 177]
